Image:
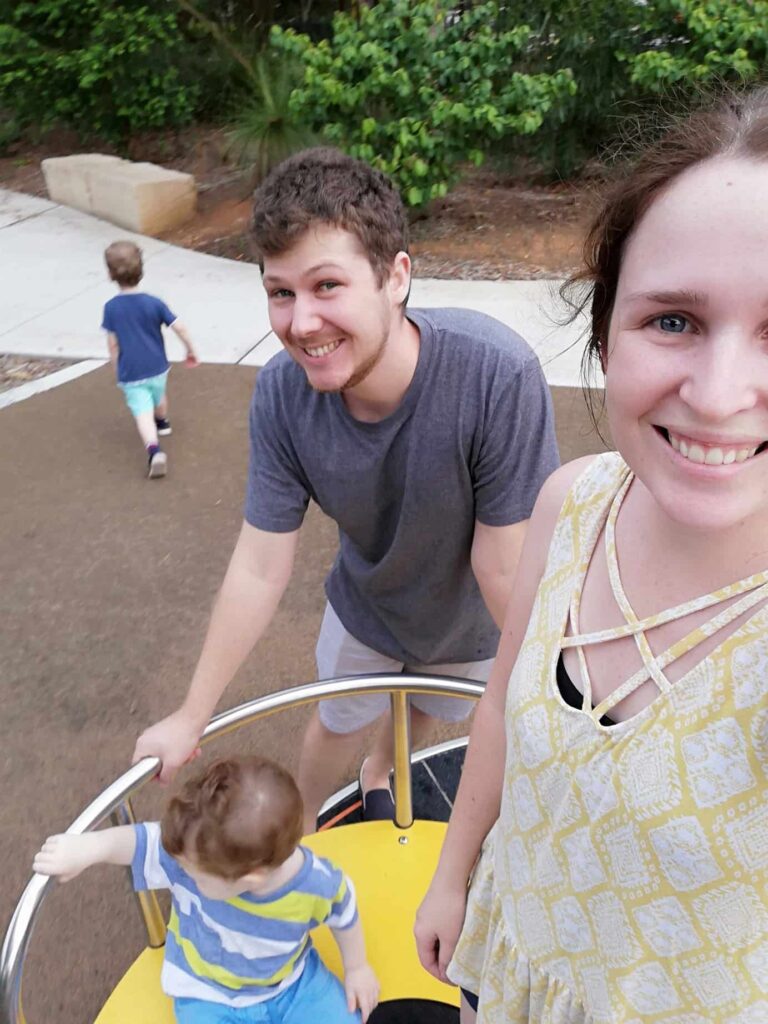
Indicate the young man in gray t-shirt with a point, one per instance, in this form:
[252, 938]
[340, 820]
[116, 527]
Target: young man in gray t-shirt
[425, 435]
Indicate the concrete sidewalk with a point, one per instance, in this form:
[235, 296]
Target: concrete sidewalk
[55, 285]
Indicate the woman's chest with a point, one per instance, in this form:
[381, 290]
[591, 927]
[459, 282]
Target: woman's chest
[678, 635]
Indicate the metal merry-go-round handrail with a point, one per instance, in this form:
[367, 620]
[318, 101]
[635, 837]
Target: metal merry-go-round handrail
[114, 801]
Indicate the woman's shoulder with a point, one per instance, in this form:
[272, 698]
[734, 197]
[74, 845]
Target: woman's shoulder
[591, 478]
[588, 474]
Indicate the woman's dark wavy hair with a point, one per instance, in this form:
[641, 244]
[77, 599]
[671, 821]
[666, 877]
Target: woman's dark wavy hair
[734, 126]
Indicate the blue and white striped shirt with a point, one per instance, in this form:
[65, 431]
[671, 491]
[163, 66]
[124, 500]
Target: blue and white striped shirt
[247, 949]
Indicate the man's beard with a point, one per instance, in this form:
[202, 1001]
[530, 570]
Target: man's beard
[367, 368]
[362, 372]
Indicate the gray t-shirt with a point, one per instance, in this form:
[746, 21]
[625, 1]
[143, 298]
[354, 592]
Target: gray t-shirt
[473, 438]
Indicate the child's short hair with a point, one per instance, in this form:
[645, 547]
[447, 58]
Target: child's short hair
[325, 186]
[124, 263]
[235, 817]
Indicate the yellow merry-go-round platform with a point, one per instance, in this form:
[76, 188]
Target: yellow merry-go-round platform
[390, 864]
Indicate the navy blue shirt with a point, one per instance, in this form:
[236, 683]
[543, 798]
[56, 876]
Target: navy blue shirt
[137, 320]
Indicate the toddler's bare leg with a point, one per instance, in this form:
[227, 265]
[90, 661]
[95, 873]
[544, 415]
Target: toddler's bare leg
[161, 409]
[145, 423]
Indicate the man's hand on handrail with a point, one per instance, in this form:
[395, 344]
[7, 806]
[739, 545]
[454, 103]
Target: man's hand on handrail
[175, 740]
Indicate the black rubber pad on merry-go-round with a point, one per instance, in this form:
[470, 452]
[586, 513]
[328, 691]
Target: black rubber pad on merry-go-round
[414, 1011]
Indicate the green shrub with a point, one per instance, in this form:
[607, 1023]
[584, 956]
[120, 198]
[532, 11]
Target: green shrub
[593, 38]
[713, 42]
[416, 92]
[104, 69]
[628, 56]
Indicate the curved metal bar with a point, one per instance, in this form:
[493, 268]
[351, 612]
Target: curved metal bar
[348, 686]
[17, 937]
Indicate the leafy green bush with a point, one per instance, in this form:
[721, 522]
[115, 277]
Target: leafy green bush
[625, 55]
[713, 42]
[105, 69]
[594, 38]
[415, 92]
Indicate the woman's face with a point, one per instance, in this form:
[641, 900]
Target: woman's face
[687, 359]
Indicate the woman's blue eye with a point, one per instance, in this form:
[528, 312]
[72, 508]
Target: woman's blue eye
[671, 323]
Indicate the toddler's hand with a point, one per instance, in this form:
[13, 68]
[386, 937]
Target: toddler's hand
[192, 359]
[362, 988]
[65, 856]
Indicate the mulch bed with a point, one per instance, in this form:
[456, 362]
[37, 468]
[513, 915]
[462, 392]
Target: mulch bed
[16, 370]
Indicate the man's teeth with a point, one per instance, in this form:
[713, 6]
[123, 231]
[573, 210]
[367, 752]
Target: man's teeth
[709, 456]
[323, 350]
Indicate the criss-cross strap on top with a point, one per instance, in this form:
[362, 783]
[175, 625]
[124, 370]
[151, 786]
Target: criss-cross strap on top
[753, 588]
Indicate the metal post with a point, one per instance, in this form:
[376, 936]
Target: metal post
[149, 906]
[401, 721]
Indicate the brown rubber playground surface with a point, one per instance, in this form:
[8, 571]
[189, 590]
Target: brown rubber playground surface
[107, 582]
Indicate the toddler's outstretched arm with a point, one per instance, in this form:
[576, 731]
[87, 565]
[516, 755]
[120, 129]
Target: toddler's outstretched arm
[183, 335]
[65, 856]
[360, 983]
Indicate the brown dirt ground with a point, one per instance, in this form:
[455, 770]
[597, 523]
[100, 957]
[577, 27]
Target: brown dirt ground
[493, 225]
[108, 581]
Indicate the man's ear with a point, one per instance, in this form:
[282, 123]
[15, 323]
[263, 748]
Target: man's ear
[399, 283]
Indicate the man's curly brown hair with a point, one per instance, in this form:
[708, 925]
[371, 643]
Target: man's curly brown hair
[325, 186]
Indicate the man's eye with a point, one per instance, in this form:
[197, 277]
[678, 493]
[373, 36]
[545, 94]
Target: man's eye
[328, 286]
[671, 323]
[280, 293]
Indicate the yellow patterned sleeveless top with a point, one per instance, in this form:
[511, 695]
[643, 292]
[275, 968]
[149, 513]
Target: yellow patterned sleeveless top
[626, 880]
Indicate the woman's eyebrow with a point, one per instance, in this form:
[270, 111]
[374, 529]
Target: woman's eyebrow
[683, 296]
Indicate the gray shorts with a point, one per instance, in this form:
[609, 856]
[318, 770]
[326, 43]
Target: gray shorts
[338, 653]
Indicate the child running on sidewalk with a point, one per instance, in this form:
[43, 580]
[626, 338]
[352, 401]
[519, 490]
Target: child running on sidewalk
[134, 324]
[244, 898]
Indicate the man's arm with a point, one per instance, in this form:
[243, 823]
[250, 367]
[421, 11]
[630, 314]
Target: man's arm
[113, 346]
[258, 574]
[494, 557]
[66, 855]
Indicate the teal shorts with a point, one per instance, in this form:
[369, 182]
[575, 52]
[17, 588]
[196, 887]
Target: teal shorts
[316, 998]
[143, 395]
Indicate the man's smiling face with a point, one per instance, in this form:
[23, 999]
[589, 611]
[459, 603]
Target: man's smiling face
[328, 308]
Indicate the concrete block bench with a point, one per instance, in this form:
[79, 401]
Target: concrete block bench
[141, 197]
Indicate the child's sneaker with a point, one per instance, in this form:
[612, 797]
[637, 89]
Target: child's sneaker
[163, 427]
[158, 463]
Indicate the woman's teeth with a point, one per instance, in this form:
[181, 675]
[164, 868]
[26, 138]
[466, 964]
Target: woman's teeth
[323, 350]
[709, 456]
